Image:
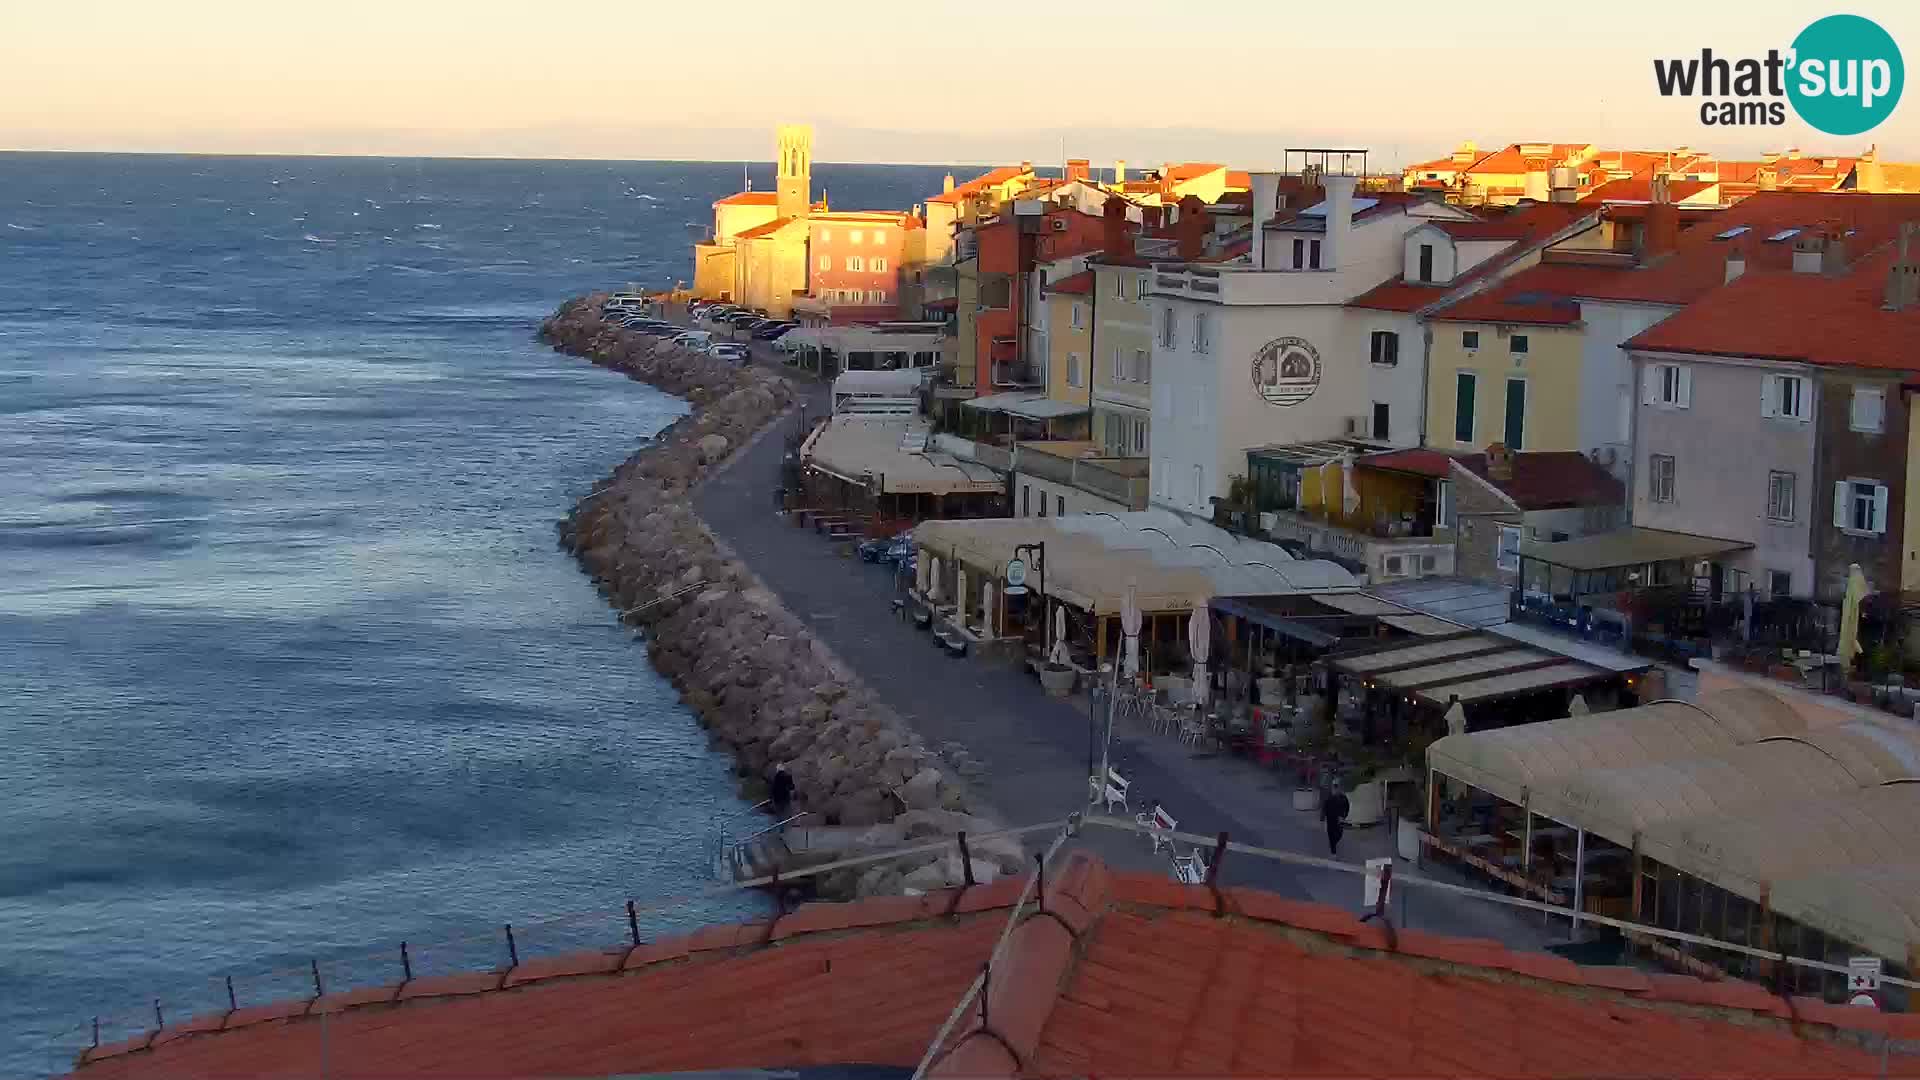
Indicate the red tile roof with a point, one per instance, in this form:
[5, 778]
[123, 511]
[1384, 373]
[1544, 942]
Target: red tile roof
[1079, 283]
[1552, 480]
[1396, 294]
[1526, 226]
[1510, 160]
[1639, 188]
[1122, 974]
[1192, 170]
[749, 198]
[1810, 318]
[1698, 264]
[1421, 462]
[1535, 296]
[985, 180]
[766, 229]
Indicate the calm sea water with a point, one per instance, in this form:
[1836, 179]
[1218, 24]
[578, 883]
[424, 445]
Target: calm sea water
[290, 667]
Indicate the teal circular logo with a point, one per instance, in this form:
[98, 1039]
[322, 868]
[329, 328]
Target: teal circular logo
[1847, 75]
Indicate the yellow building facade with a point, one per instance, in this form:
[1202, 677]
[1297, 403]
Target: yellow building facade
[1517, 384]
[1070, 343]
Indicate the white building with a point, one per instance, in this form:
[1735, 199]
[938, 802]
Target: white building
[1266, 352]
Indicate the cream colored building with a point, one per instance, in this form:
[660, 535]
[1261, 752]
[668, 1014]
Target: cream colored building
[1122, 357]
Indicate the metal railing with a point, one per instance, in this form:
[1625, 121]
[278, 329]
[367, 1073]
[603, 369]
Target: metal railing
[734, 855]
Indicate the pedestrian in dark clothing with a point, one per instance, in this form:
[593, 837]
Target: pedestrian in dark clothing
[1334, 810]
[781, 790]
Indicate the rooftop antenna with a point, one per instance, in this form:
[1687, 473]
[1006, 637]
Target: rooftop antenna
[745, 177]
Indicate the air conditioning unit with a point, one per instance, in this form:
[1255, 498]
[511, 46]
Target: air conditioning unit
[1393, 565]
[1059, 224]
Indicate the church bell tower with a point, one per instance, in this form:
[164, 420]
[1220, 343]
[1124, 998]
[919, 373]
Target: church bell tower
[793, 184]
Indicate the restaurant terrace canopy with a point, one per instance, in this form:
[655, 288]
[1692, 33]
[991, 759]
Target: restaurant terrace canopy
[886, 455]
[1466, 666]
[1091, 558]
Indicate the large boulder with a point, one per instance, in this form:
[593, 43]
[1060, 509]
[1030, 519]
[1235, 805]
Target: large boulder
[922, 791]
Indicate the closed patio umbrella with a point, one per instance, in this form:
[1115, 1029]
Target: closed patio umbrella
[1060, 654]
[987, 614]
[933, 589]
[1198, 632]
[960, 596]
[1850, 617]
[922, 572]
[1578, 706]
[1456, 719]
[1130, 628]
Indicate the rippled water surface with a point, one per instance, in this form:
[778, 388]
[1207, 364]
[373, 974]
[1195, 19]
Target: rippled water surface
[290, 668]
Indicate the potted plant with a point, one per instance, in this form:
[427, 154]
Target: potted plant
[1057, 679]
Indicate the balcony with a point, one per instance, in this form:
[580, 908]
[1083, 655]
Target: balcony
[1385, 551]
[1121, 480]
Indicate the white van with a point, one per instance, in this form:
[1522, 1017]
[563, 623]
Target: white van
[695, 339]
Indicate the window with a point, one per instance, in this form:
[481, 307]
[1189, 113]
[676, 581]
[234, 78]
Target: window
[853, 236]
[1026, 500]
[1202, 333]
[1118, 375]
[826, 262]
[1517, 344]
[1516, 427]
[1299, 254]
[1140, 287]
[1313, 254]
[1142, 366]
[1443, 513]
[1043, 504]
[879, 266]
[879, 237]
[1660, 478]
[1386, 348]
[1426, 262]
[1079, 315]
[876, 296]
[1465, 387]
[1779, 583]
[1380, 425]
[1508, 556]
[1059, 504]
[1869, 409]
[1469, 339]
[1785, 397]
[856, 263]
[1169, 327]
[1140, 437]
[1780, 496]
[826, 234]
[1120, 286]
[1199, 485]
[1860, 506]
[1668, 385]
[1073, 370]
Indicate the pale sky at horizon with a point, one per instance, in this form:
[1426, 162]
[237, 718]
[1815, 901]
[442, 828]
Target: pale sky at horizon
[929, 82]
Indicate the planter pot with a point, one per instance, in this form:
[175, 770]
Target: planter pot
[1057, 680]
[1408, 840]
[1306, 799]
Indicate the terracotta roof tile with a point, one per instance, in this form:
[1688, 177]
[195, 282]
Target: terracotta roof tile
[766, 229]
[1421, 462]
[749, 198]
[538, 968]
[469, 982]
[1151, 983]
[1551, 479]
[985, 180]
[1079, 283]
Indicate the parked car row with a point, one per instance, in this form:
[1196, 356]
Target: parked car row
[626, 317]
[733, 317]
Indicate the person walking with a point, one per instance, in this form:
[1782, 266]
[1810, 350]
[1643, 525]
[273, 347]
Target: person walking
[781, 791]
[1333, 810]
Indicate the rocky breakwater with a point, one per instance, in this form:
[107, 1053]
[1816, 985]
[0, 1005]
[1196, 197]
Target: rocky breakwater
[752, 671]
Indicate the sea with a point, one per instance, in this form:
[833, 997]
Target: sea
[291, 668]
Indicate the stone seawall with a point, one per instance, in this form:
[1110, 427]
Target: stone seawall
[753, 672]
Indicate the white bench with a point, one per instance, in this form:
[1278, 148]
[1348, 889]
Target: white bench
[1160, 827]
[1111, 793]
[1191, 868]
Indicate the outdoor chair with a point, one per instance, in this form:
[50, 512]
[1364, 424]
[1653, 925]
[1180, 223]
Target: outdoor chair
[1114, 792]
[1193, 727]
[1191, 868]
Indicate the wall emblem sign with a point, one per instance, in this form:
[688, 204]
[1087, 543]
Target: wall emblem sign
[1286, 371]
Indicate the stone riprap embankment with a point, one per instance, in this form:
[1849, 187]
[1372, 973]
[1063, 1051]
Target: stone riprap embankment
[751, 670]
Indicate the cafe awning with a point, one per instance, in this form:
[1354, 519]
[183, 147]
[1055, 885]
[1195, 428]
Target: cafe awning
[878, 451]
[1632, 546]
[1467, 667]
[1029, 406]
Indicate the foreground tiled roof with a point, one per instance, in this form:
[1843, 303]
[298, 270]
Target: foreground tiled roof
[749, 198]
[765, 229]
[1526, 226]
[1811, 318]
[1081, 282]
[985, 180]
[1552, 479]
[1118, 974]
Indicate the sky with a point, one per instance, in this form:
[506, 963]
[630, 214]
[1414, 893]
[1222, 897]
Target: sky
[931, 81]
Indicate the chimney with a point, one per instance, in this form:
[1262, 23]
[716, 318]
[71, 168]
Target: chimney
[1807, 250]
[1266, 201]
[1536, 182]
[1190, 231]
[1078, 168]
[1339, 207]
[1499, 463]
[1152, 217]
[1833, 255]
[947, 184]
[1903, 278]
[1113, 222]
[1166, 178]
[1120, 171]
[1026, 166]
[1769, 157]
[1767, 178]
[1466, 153]
[1793, 153]
[1661, 233]
[1736, 264]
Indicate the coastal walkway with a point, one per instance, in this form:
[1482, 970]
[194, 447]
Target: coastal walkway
[1035, 748]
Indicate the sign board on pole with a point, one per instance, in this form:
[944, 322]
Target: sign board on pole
[1377, 872]
[1016, 577]
[1863, 981]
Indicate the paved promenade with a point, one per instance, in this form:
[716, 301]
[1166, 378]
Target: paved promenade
[1035, 747]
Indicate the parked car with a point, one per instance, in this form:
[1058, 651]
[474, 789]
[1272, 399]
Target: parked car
[694, 339]
[773, 331]
[736, 354]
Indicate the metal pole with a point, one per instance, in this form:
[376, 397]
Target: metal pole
[233, 1004]
[633, 923]
[406, 963]
[158, 1020]
[318, 990]
[513, 950]
[1579, 875]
